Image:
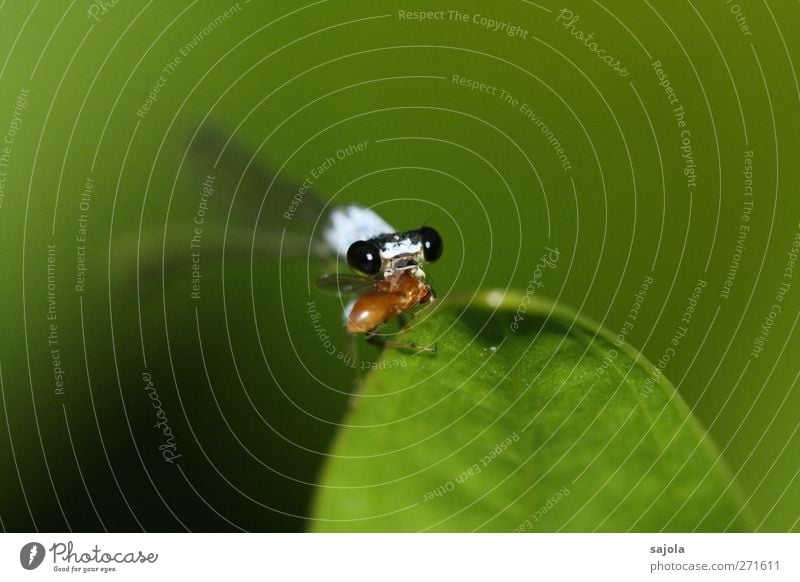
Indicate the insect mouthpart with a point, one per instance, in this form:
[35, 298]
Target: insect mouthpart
[399, 253]
[409, 263]
[404, 262]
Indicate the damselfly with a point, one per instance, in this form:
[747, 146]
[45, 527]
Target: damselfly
[392, 281]
[389, 280]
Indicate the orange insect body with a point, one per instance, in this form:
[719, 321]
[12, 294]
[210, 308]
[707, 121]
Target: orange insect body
[391, 297]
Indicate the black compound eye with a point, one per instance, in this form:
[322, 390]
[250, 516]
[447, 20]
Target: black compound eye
[432, 245]
[365, 257]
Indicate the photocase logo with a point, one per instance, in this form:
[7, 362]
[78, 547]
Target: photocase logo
[31, 555]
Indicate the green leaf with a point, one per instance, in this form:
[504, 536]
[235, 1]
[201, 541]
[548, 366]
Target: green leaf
[521, 428]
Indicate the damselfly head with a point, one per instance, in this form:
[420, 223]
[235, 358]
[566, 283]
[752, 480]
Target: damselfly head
[387, 254]
[372, 248]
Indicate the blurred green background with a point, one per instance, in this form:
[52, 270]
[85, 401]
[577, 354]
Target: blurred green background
[243, 380]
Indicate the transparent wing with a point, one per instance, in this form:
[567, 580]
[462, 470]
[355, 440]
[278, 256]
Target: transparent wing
[345, 284]
[273, 207]
[281, 211]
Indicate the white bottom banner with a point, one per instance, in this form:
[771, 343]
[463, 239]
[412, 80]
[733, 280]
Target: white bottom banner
[401, 557]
